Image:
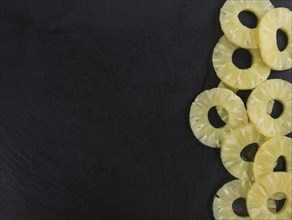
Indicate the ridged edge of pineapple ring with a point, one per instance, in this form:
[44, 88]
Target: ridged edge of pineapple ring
[268, 154]
[261, 191]
[281, 19]
[273, 89]
[230, 74]
[234, 30]
[234, 142]
[225, 196]
[198, 116]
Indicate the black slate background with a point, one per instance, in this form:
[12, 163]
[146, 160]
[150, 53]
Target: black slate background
[94, 109]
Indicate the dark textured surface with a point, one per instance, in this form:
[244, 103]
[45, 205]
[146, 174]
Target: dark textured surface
[94, 109]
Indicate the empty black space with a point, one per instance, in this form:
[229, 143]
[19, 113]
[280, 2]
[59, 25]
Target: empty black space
[248, 152]
[280, 165]
[242, 58]
[95, 99]
[289, 135]
[282, 40]
[280, 204]
[215, 119]
[248, 19]
[244, 94]
[239, 207]
[94, 115]
[277, 109]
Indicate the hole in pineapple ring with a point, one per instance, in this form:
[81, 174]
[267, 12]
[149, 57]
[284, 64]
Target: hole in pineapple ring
[277, 109]
[244, 94]
[282, 40]
[215, 119]
[276, 202]
[249, 151]
[241, 58]
[280, 165]
[239, 207]
[248, 19]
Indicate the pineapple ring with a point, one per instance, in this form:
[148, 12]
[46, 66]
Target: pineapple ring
[268, 154]
[274, 89]
[234, 30]
[232, 146]
[230, 74]
[226, 195]
[261, 191]
[278, 18]
[200, 125]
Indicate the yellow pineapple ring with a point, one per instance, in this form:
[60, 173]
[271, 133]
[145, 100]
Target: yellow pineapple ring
[274, 89]
[201, 127]
[232, 147]
[230, 74]
[278, 18]
[272, 186]
[268, 154]
[234, 30]
[225, 197]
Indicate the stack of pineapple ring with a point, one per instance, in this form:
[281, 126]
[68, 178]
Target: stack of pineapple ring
[258, 183]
